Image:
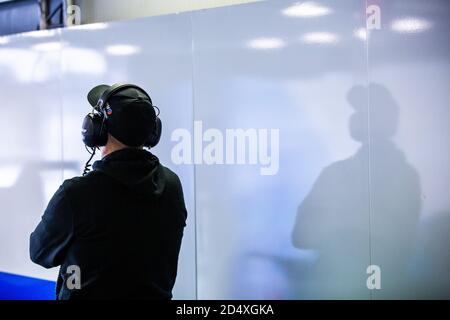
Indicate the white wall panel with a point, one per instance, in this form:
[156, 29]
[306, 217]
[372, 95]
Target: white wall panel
[304, 231]
[152, 53]
[30, 149]
[410, 138]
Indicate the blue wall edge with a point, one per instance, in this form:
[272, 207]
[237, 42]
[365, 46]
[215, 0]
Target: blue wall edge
[16, 287]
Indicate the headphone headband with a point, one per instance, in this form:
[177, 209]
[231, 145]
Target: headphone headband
[116, 88]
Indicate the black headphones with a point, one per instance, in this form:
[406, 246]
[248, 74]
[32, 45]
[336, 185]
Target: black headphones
[94, 129]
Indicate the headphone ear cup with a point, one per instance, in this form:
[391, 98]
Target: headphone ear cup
[155, 135]
[94, 131]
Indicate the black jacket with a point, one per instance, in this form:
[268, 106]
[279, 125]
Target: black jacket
[121, 224]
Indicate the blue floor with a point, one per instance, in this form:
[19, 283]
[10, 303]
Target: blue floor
[15, 287]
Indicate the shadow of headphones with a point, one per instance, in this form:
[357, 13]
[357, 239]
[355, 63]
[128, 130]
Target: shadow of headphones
[94, 128]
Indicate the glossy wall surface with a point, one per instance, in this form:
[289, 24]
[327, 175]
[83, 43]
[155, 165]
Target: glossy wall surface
[316, 141]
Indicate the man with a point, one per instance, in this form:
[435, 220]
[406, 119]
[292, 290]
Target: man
[120, 225]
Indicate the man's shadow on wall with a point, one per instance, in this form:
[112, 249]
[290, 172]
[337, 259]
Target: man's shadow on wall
[351, 230]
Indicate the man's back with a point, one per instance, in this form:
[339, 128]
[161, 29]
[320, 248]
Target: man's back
[121, 224]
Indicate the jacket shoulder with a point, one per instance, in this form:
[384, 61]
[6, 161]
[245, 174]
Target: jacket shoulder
[171, 180]
[78, 183]
[169, 173]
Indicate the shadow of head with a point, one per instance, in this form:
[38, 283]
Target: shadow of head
[376, 113]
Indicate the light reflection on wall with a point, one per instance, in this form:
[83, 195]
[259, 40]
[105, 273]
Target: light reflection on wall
[307, 10]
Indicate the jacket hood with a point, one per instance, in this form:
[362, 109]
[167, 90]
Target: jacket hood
[137, 169]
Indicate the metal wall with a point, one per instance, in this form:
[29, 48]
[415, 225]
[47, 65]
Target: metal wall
[111, 10]
[19, 16]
